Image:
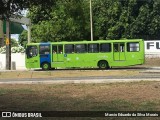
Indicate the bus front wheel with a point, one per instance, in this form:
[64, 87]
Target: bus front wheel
[103, 64]
[45, 66]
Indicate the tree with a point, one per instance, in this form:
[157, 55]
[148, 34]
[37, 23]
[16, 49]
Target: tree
[23, 38]
[126, 19]
[106, 14]
[69, 20]
[14, 43]
[154, 25]
[9, 7]
[63, 21]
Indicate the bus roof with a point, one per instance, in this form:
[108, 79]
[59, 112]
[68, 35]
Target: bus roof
[86, 42]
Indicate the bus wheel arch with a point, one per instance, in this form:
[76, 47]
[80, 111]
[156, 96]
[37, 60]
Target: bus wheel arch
[45, 66]
[103, 64]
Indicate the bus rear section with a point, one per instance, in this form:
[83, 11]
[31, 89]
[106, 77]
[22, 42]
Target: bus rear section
[135, 52]
[128, 53]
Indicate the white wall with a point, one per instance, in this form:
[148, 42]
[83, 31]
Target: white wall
[152, 48]
[18, 58]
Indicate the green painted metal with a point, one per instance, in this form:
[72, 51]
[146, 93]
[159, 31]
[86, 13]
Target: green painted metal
[15, 28]
[33, 62]
[114, 58]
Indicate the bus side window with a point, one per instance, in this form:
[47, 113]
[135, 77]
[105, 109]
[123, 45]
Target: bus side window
[93, 48]
[122, 47]
[116, 48]
[105, 47]
[69, 48]
[54, 49]
[119, 47]
[81, 48]
[60, 49]
[44, 49]
[133, 47]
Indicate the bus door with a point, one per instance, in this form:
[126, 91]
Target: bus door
[57, 51]
[119, 51]
[45, 54]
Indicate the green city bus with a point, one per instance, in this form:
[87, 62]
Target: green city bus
[85, 54]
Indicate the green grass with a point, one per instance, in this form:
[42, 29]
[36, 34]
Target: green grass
[137, 96]
[63, 73]
[3, 91]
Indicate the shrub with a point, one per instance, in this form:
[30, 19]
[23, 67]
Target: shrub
[18, 49]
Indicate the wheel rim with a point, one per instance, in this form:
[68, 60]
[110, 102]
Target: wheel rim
[45, 66]
[103, 65]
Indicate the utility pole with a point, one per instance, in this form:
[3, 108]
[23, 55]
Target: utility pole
[91, 21]
[8, 41]
[8, 46]
[29, 32]
[1, 34]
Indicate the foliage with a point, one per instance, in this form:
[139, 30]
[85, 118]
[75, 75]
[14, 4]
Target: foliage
[65, 22]
[69, 20]
[9, 7]
[18, 49]
[3, 49]
[23, 38]
[14, 43]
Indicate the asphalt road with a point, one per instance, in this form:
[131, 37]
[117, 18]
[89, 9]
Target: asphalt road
[149, 74]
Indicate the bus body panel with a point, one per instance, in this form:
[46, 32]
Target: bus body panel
[32, 59]
[121, 53]
[45, 53]
[33, 62]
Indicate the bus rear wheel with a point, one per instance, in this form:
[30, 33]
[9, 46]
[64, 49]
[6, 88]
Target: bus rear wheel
[45, 66]
[103, 64]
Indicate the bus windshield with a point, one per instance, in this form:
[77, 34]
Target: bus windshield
[31, 51]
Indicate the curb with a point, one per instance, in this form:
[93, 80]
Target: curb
[86, 81]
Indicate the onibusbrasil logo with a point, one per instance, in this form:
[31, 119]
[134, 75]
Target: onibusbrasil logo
[21, 114]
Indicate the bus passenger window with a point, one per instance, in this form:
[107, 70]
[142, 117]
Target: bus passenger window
[60, 49]
[44, 49]
[80, 48]
[119, 47]
[105, 47]
[54, 49]
[122, 47]
[93, 48]
[116, 48]
[133, 47]
[69, 48]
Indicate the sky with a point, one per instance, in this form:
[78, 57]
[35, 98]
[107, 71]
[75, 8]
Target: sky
[15, 36]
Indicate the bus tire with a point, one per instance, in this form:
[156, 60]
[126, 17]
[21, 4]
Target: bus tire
[103, 64]
[45, 66]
